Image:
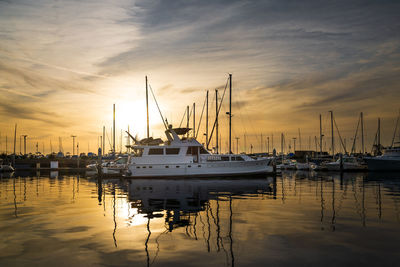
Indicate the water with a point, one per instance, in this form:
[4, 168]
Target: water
[294, 219]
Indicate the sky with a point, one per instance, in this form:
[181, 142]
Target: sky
[63, 64]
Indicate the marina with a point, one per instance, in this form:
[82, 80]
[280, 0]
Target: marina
[199, 133]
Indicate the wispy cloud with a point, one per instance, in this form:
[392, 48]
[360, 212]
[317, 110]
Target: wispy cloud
[290, 59]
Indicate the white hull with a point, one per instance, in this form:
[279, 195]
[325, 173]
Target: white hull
[346, 167]
[229, 168]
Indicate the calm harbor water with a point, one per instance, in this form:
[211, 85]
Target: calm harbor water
[298, 218]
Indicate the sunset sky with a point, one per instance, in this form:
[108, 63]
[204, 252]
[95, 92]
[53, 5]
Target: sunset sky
[64, 63]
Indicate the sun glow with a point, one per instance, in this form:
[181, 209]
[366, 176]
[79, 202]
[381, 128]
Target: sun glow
[133, 114]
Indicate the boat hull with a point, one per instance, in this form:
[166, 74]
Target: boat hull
[383, 164]
[209, 169]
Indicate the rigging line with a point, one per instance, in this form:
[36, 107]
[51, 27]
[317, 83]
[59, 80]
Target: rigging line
[151, 90]
[249, 118]
[219, 108]
[201, 117]
[184, 113]
[395, 129]
[353, 148]
[340, 137]
[108, 138]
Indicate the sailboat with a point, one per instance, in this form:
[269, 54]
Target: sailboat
[390, 160]
[184, 156]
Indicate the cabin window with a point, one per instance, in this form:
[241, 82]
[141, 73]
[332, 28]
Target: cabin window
[144, 167]
[137, 167]
[225, 158]
[156, 151]
[199, 166]
[239, 158]
[177, 166]
[192, 150]
[150, 167]
[172, 151]
[166, 166]
[189, 166]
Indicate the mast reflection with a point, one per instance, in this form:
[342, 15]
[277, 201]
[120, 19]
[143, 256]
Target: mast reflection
[184, 202]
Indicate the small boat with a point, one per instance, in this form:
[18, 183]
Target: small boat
[110, 167]
[5, 167]
[305, 166]
[348, 163]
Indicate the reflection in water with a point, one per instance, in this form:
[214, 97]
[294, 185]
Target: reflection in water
[15, 200]
[114, 218]
[210, 222]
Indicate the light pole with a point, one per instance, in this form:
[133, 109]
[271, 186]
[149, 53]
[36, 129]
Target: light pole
[73, 144]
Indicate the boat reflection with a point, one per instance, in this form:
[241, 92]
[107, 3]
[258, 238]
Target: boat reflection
[180, 202]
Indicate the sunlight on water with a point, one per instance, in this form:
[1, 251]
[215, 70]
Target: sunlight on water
[295, 218]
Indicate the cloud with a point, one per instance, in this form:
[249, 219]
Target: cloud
[17, 111]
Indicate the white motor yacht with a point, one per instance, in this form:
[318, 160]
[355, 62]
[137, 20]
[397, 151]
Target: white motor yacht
[180, 157]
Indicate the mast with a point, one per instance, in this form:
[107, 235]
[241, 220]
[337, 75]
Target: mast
[104, 140]
[230, 113]
[15, 142]
[395, 130]
[113, 129]
[216, 117]
[207, 122]
[15, 138]
[379, 136]
[333, 140]
[362, 132]
[320, 134]
[187, 122]
[194, 120]
[147, 109]
[299, 139]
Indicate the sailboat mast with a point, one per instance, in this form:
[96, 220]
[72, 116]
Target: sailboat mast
[379, 135]
[320, 134]
[147, 108]
[362, 132]
[333, 140]
[187, 121]
[230, 113]
[299, 139]
[207, 122]
[216, 117]
[104, 140]
[194, 120]
[113, 129]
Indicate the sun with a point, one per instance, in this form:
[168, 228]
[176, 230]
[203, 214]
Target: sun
[133, 114]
